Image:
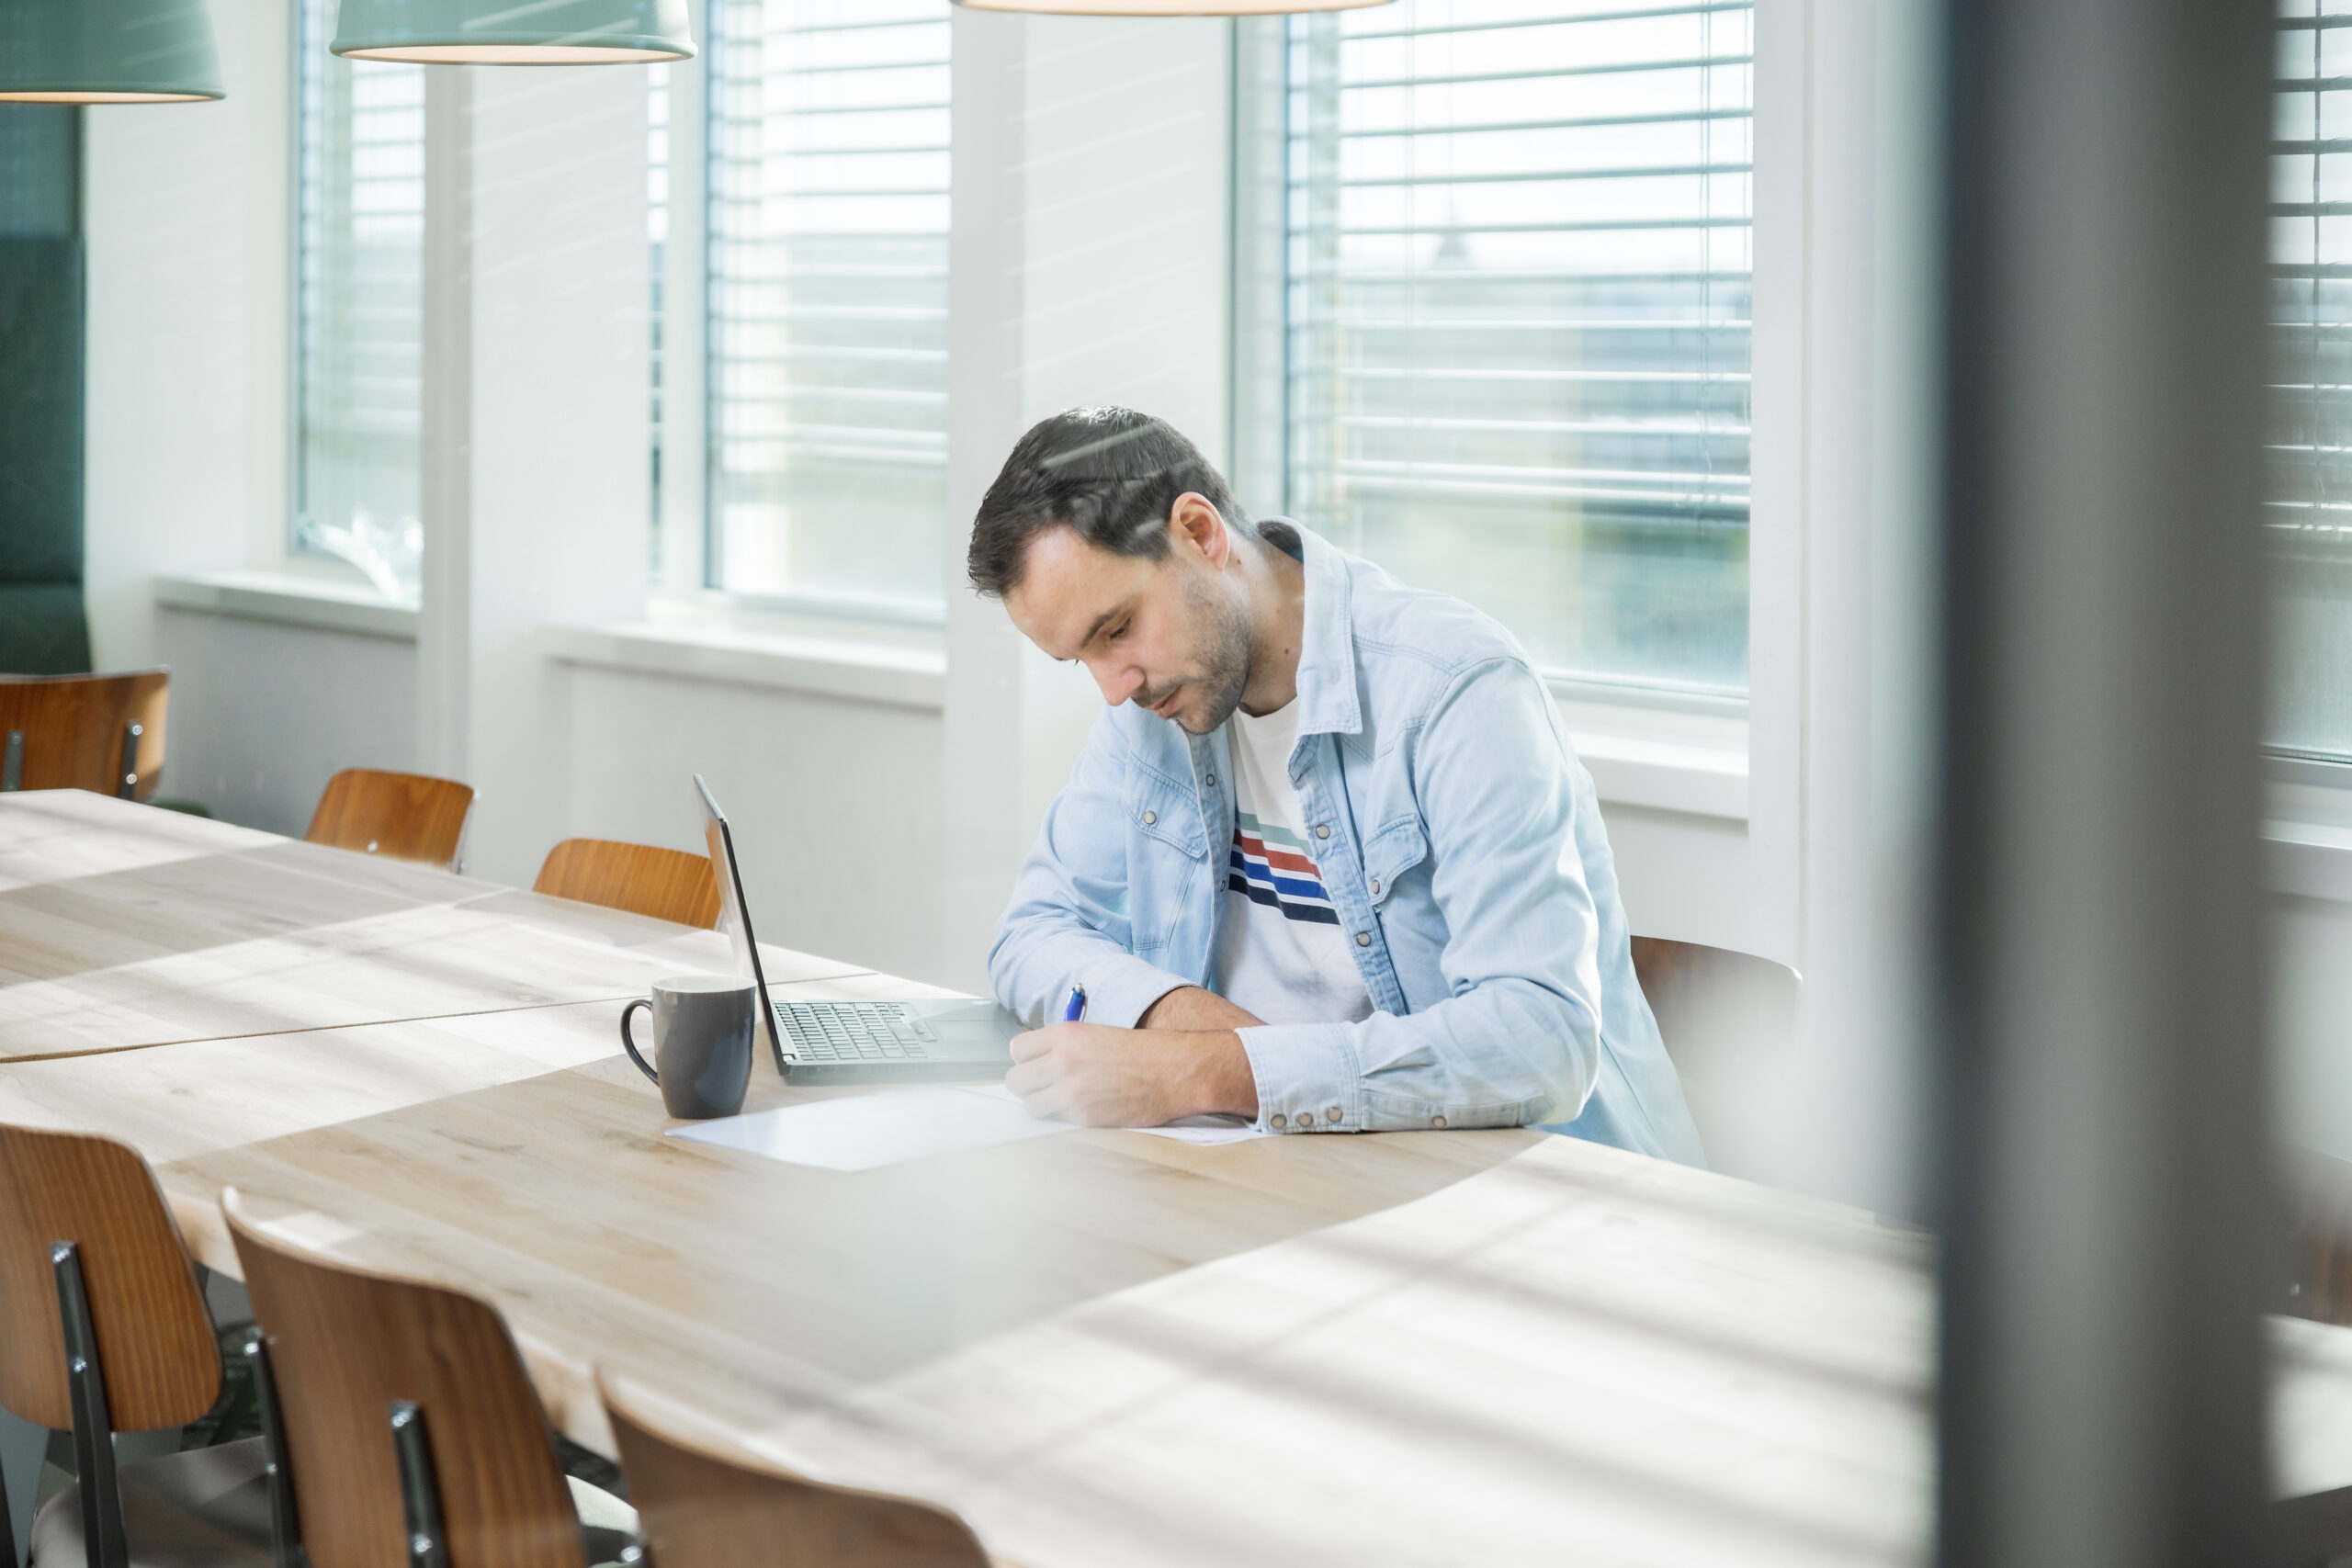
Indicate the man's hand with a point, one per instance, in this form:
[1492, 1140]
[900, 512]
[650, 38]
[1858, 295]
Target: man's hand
[1103, 1076]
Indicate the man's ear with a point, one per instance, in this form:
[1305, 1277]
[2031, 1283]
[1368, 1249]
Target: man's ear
[1194, 517]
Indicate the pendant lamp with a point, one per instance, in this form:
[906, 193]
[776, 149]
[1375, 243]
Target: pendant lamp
[515, 32]
[1167, 8]
[107, 52]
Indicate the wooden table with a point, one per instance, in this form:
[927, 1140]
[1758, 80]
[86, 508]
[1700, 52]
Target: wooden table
[1104, 1346]
[122, 925]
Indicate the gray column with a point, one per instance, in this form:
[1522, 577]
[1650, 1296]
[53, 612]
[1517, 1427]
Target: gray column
[445, 439]
[2100, 950]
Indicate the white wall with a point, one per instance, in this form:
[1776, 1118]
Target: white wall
[556, 532]
[185, 210]
[834, 802]
[263, 714]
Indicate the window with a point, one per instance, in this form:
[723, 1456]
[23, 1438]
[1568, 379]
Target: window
[2310, 512]
[359, 266]
[827, 330]
[1517, 282]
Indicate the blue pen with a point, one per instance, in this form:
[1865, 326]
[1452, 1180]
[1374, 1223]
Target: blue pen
[1075, 1008]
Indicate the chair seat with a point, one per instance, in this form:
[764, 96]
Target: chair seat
[201, 1508]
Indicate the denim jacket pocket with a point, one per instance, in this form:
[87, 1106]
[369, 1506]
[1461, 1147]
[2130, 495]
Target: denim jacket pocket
[1389, 853]
[1158, 809]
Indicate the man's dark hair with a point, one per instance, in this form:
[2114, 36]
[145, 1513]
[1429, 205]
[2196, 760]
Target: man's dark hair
[1111, 474]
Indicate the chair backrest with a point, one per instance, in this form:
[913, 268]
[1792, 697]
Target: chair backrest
[668, 885]
[344, 1343]
[700, 1509]
[398, 815]
[1727, 1020]
[1707, 999]
[103, 733]
[156, 1348]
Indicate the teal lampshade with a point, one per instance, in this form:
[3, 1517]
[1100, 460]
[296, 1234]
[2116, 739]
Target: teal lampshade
[107, 52]
[515, 32]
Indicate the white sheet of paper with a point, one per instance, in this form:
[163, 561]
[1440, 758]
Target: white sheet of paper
[1202, 1131]
[869, 1130]
[864, 1131]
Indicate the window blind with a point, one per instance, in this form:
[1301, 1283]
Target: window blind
[827, 300]
[2309, 516]
[360, 236]
[1518, 283]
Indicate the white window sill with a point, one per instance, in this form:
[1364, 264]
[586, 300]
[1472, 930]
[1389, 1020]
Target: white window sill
[286, 599]
[1632, 771]
[2309, 860]
[1658, 757]
[858, 670]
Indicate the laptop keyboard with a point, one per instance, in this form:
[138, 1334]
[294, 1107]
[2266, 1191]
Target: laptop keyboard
[852, 1031]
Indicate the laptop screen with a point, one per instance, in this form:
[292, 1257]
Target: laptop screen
[734, 917]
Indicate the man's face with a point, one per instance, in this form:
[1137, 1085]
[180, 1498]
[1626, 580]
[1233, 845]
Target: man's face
[1170, 635]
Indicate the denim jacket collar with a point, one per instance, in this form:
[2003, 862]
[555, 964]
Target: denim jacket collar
[1327, 652]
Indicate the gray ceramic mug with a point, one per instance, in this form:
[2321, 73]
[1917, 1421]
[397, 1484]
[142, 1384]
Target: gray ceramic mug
[702, 1038]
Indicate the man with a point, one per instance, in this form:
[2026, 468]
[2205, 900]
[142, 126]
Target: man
[1328, 861]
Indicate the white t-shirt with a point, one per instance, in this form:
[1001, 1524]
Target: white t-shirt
[1279, 952]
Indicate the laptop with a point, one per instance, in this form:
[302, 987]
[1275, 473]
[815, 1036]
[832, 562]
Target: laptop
[916, 1041]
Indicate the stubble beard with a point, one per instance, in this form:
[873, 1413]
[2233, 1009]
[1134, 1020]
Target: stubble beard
[1225, 670]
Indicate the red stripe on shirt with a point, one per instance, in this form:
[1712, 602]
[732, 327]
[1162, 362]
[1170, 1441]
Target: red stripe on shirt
[1283, 858]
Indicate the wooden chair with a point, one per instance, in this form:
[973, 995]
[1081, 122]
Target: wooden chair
[2318, 1193]
[104, 1329]
[668, 885]
[406, 1411]
[398, 815]
[102, 733]
[1726, 1018]
[700, 1509]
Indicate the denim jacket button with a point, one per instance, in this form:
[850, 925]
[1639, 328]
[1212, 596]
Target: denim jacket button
[1212, 781]
[1332, 1116]
[1438, 1123]
[1322, 829]
[1375, 888]
[1149, 817]
[1364, 939]
[1275, 1120]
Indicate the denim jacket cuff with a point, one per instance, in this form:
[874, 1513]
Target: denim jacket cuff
[1122, 989]
[1306, 1076]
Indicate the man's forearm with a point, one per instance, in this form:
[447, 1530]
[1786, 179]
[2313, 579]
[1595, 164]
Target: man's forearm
[1192, 1009]
[1218, 1077]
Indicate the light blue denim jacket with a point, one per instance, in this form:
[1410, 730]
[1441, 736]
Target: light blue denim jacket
[1460, 840]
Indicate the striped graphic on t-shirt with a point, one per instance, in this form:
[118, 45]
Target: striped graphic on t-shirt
[1270, 866]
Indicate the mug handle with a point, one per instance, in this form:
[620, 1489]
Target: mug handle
[631, 1045]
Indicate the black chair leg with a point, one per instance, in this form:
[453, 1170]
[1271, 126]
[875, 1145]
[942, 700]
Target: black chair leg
[92, 1426]
[420, 1493]
[285, 1524]
[127, 775]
